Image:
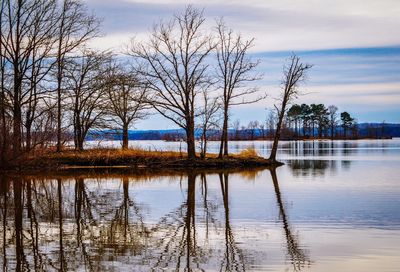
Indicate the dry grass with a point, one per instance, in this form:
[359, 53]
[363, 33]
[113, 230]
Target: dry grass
[112, 153]
[109, 155]
[112, 156]
[249, 152]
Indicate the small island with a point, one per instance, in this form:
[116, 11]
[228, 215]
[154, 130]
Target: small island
[138, 159]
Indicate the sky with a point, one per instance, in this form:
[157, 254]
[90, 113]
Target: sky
[354, 46]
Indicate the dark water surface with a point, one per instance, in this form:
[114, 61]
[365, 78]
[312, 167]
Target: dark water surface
[332, 207]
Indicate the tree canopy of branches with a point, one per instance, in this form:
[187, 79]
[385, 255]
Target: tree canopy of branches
[209, 119]
[4, 103]
[75, 27]
[127, 98]
[235, 70]
[173, 66]
[294, 73]
[86, 88]
[27, 36]
[35, 38]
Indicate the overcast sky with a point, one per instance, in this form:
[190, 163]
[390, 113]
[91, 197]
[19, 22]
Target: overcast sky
[353, 44]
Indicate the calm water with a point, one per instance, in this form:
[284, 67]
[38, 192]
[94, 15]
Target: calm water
[332, 207]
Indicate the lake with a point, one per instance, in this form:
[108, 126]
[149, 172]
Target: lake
[333, 206]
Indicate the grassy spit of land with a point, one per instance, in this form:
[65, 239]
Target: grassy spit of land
[135, 158]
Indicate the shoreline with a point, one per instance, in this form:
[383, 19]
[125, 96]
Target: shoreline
[131, 159]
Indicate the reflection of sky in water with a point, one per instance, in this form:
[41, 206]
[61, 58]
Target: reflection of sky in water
[340, 213]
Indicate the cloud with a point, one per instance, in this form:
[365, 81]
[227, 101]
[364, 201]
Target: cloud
[276, 25]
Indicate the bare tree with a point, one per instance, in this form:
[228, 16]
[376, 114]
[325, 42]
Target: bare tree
[27, 29]
[3, 92]
[128, 100]
[42, 61]
[294, 72]
[173, 65]
[235, 69]
[209, 119]
[86, 87]
[44, 124]
[75, 27]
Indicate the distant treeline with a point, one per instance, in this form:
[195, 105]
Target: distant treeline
[314, 121]
[365, 130]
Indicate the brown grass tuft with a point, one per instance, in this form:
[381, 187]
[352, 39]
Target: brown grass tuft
[249, 152]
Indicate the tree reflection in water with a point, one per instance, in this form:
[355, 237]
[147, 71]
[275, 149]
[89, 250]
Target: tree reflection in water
[233, 257]
[60, 223]
[18, 208]
[298, 256]
[4, 209]
[312, 168]
[177, 232]
[70, 224]
[123, 235]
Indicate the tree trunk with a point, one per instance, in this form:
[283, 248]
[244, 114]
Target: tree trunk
[277, 136]
[58, 120]
[78, 135]
[125, 138]
[320, 131]
[4, 134]
[17, 118]
[226, 141]
[17, 121]
[191, 148]
[28, 136]
[80, 138]
[80, 144]
[203, 142]
[60, 66]
[204, 147]
[3, 128]
[313, 128]
[3, 100]
[223, 149]
[59, 105]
